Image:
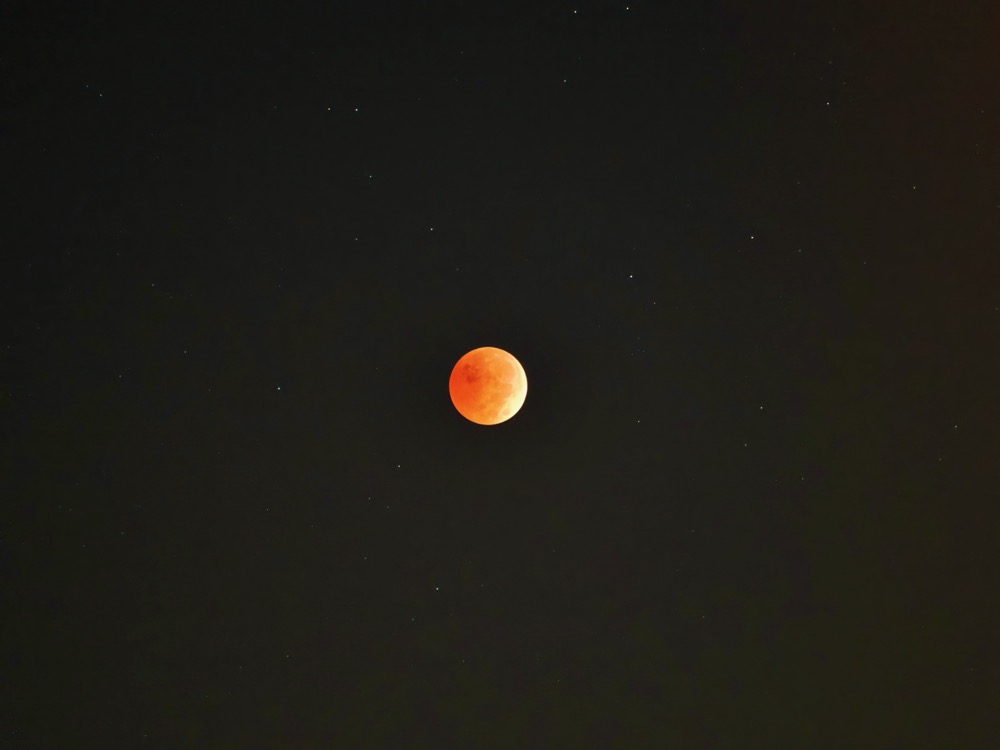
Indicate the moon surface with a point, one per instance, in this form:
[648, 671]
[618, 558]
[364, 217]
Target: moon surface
[488, 385]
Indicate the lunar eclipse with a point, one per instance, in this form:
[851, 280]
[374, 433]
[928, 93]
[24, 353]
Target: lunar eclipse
[488, 385]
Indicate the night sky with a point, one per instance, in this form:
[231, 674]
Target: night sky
[747, 254]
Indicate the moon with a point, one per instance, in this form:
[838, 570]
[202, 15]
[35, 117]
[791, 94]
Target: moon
[488, 385]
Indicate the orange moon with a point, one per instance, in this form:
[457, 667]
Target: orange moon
[488, 385]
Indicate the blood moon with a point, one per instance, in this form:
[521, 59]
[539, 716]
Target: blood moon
[488, 385]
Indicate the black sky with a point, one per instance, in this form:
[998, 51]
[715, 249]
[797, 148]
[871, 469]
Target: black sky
[746, 255]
